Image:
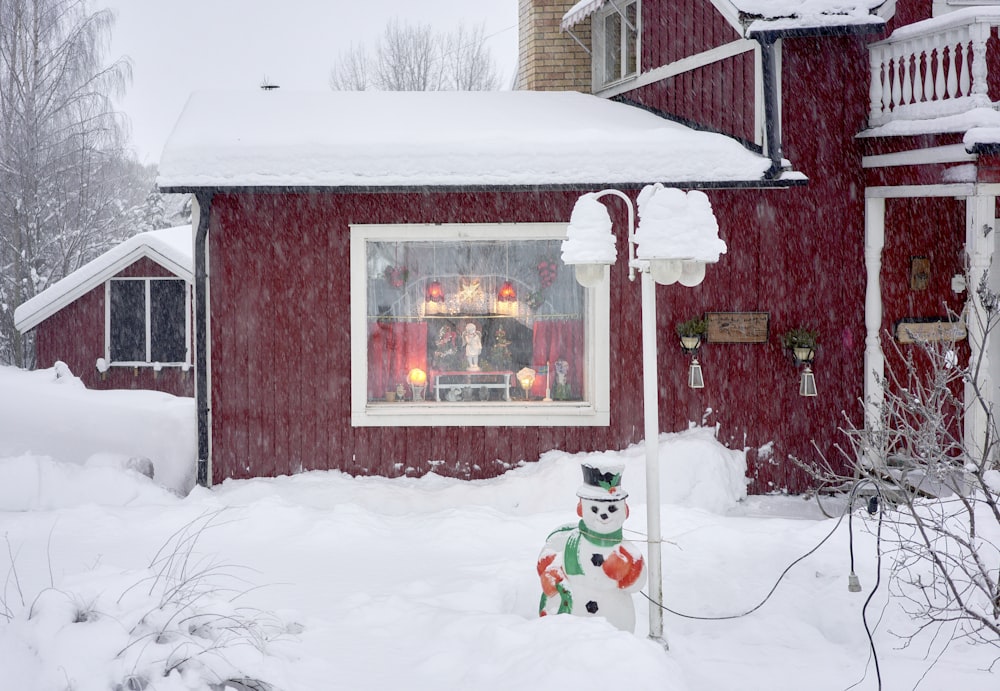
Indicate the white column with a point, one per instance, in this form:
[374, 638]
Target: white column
[980, 212]
[874, 357]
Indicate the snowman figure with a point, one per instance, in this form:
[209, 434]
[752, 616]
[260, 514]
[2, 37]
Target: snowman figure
[587, 568]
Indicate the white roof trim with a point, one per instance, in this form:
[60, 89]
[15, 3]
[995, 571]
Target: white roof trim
[580, 11]
[165, 247]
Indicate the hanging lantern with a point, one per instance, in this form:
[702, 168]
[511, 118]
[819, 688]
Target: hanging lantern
[434, 298]
[507, 300]
[807, 385]
[695, 378]
[435, 293]
[507, 293]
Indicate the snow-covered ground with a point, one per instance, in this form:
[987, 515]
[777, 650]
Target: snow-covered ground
[323, 581]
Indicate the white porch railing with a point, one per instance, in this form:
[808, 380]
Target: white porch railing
[932, 68]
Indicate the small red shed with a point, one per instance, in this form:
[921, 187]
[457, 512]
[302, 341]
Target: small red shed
[123, 320]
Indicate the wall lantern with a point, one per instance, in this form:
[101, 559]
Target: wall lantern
[418, 383]
[801, 343]
[676, 238]
[691, 333]
[526, 378]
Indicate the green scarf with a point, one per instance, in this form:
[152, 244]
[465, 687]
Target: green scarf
[571, 559]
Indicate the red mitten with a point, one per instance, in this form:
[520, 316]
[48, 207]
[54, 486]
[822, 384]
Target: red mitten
[622, 567]
[549, 575]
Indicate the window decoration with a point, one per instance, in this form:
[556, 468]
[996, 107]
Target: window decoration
[446, 305]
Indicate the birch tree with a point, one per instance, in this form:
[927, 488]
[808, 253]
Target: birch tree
[418, 58]
[63, 165]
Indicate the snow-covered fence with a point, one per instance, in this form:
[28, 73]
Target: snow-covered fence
[933, 68]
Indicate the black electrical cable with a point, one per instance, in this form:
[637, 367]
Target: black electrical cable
[878, 580]
[873, 506]
[767, 597]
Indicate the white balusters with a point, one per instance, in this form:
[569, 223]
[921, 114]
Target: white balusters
[938, 71]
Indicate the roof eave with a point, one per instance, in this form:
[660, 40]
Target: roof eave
[761, 183]
[838, 30]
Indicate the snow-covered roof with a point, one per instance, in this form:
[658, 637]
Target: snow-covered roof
[789, 15]
[171, 248]
[439, 139]
[771, 15]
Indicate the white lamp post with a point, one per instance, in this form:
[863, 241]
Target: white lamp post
[662, 253]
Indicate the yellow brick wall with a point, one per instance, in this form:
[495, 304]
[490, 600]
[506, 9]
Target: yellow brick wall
[548, 58]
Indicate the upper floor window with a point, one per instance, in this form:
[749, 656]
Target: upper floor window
[615, 30]
[147, 321]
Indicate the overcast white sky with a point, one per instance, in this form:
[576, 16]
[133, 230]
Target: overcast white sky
[182, 46]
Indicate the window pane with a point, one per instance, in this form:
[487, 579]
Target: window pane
[166, 313]
[612, 47]
[630, 62]
[471, 315]
[128, 321]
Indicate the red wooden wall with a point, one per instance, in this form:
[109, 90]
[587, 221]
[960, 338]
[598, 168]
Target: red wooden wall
[75, 335]
[281, 339]
[719, 96]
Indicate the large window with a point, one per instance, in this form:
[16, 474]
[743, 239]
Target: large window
[616, 43]
[147, 321]
[473, 325]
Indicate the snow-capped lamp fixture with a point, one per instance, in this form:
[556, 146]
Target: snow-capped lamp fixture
[678, 234]
[418, 383]
[590, 243]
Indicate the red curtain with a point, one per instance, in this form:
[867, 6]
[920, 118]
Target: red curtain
[558, 340]
[394, 348]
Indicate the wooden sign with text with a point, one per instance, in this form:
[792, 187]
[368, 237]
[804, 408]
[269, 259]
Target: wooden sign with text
[736, 327]
[929, 331]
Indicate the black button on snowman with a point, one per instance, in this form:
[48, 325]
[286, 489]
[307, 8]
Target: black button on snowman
[587, 568]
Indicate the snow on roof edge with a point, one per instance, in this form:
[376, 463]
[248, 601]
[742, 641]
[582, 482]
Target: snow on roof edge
[164, 246]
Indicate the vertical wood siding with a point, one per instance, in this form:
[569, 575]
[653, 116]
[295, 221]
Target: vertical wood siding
[75, 335]
[281, 339]
[719, 96]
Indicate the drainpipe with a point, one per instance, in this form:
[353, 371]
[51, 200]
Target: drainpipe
[204, 200]
[772, 116]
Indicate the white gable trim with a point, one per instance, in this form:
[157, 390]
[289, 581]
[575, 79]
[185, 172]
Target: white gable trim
[729, 12]
[692, 62]
[45, 304]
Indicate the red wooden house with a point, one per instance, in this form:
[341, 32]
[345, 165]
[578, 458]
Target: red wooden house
[347, 241]
[123, 320]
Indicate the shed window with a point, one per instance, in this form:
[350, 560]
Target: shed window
[616, 43]
[147, 321]
[472, 325]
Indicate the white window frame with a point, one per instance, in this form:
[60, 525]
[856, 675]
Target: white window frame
[601, 81]
[594, 411]
[148, 362]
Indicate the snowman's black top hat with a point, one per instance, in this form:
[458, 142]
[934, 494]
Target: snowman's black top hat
[602, 482]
